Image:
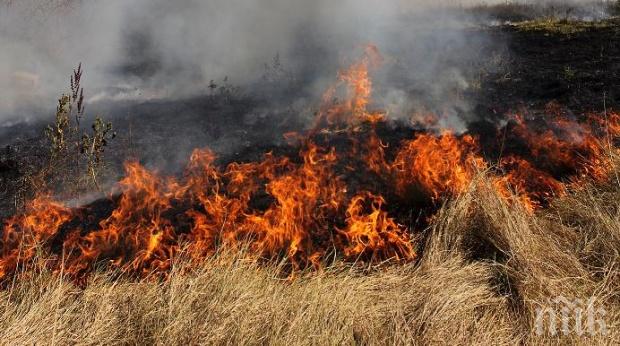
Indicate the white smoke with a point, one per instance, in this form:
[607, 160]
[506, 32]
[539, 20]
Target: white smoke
[159, 48]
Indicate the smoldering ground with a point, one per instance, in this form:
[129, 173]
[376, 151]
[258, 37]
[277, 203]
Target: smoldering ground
[143, 58]
[158, 49]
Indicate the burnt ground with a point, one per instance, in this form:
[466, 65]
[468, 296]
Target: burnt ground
[574, 64]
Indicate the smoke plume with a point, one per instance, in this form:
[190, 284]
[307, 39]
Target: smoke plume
[151, 49]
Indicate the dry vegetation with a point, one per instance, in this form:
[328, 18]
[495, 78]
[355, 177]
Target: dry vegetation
[542, 10]
[485, 268]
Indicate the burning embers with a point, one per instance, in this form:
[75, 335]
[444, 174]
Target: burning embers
[352, 199]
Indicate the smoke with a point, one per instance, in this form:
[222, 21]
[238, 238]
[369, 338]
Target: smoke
[146, 49]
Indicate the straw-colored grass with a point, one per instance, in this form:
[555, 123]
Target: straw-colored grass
[485, 268]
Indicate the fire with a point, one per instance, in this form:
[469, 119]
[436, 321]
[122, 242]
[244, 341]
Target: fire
[436, 165]
[565, 145]
[357, 82]
[136, 234]
[531, 185]
[347, 200]
[374, 234]
[22, 234]
[305, 198]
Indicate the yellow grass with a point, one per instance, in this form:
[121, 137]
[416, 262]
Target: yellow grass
[485, 268]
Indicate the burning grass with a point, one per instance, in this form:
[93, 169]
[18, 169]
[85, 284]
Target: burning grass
[294, 248]
[346, 195]
[486, 266]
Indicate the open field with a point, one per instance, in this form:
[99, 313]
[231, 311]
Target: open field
[272, 213]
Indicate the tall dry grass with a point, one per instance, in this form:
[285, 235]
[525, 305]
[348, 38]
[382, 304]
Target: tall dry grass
[486, 266]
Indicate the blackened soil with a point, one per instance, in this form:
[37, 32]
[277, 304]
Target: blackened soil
[575, 64]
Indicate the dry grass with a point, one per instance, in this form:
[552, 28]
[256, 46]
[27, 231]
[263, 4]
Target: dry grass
[485, 268]
[563, 27]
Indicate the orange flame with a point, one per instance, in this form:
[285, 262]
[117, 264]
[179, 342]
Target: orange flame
[374, 235]
[354, 108]
[22, 235]
[436, 165]
[304, 209]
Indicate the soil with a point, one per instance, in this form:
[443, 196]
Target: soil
[575, 64]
